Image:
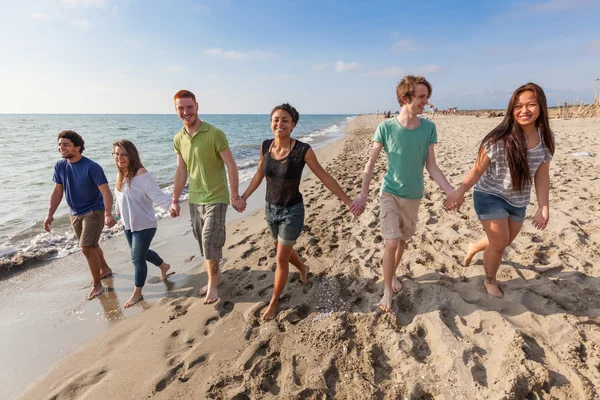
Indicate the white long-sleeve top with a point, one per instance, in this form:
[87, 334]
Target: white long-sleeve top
[135, 202]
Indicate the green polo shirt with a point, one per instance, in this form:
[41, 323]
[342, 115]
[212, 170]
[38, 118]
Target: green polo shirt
[208, 179]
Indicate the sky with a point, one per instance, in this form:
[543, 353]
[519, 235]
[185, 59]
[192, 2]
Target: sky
[328, 57]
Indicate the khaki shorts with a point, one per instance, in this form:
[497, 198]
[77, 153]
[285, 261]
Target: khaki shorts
[88, 227]
[208, 226]
[398, 216]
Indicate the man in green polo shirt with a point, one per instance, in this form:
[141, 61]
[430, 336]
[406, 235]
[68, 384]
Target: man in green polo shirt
[203, 152]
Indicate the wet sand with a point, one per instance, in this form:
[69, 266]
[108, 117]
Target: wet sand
[445, 339]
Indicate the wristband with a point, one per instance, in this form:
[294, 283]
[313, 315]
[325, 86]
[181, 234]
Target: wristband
[174, 201]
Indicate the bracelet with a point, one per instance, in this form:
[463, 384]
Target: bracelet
[174, 201]
[238, 197]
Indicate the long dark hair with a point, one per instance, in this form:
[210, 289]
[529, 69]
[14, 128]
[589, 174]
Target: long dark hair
[512, 136]
[126, 174]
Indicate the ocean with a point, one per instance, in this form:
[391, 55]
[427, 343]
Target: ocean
[30, 152]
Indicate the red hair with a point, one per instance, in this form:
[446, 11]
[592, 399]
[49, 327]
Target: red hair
[184, 94]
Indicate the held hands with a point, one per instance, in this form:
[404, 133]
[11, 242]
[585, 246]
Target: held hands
[109, 220]
[358, 206]
[174, 210]
[454, 200]
[239, 204]
[541, 218]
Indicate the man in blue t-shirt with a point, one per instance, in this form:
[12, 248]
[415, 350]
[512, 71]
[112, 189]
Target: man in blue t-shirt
[90, 200]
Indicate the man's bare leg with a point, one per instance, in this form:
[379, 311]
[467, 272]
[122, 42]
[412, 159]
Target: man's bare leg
[396, 285]
[104, 268]
[214, 278]
[94, 264]
[389, 264]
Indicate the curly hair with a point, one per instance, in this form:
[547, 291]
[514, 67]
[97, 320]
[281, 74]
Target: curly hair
[73, 137]
[287, 107]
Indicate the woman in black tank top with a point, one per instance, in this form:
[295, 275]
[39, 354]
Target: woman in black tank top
[282, 160]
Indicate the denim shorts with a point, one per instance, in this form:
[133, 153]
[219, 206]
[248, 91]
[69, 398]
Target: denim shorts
[285, 223]
[489, 206]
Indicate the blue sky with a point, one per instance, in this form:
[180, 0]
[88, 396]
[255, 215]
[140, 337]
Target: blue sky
[131, 56]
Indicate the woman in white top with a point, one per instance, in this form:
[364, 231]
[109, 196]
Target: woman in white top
[135, 193]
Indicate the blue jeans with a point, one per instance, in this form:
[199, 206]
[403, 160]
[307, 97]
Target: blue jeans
[139, 243]
[490, 207]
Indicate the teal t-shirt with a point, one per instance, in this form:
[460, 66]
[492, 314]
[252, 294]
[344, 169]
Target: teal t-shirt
[406, 155]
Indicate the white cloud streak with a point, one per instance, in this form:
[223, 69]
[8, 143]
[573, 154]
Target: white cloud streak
[237, 55]
[319, 67]
[341, 66]
[404, 45]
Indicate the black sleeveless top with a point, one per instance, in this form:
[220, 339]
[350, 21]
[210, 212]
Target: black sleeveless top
[283, 176]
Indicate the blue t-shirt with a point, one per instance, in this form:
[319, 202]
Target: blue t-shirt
[80, 181]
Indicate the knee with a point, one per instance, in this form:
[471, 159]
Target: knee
[499, 244]
[392, 244]
[88, 251]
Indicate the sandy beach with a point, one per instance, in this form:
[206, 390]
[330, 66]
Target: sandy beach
[446, 339]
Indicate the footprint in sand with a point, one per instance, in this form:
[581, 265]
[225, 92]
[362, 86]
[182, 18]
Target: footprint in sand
[209, 328]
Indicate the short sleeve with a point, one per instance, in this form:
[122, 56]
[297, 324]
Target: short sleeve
[433, 138]
[176, 145]
[56, 178]
[379, 135]
[547, 154]
[221, 142]
[97, 174]
[491, 149]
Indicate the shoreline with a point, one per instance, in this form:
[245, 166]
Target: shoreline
[64, 320]
[446, 338]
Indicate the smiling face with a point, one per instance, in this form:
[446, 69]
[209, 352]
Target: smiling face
[67, 149]
[187, 110]
[417, 104]
[282, 124]
[121, 157]
[527, 109]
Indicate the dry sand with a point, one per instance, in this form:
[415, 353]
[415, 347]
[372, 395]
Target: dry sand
[447, 339]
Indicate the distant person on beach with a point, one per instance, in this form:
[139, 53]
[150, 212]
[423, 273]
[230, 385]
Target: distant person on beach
[136, 191]
[377, 114]
[85, 186]
[409, 145]
[203, 152]
[512, 158]
[282, 160]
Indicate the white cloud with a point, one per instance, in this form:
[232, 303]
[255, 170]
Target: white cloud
[132, 42]
[399, 72]
[319, 67]
[175, 68]
[82, 23]
[553, 5]
[85, 3]
[594, 46]
[39, 16]
[237, 55]
[404, 45]
[341, 66]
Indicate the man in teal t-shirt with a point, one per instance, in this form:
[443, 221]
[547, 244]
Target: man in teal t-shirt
[409, 143]
[203, 152]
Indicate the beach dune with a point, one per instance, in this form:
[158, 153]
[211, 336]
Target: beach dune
[446, 338]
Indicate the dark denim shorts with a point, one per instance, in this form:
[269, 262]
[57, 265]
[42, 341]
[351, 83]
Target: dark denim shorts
[489, 206]
[285, 223]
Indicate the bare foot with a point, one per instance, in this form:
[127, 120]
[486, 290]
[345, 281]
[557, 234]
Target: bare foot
[95, 292]
[396, 285]
[204, 289]
[470, 254]
[133, 299]
[304, 274]
[164, 271]
[493, 289]
[104, 275]
[385, 304]
[270, 312]
[212, 295]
